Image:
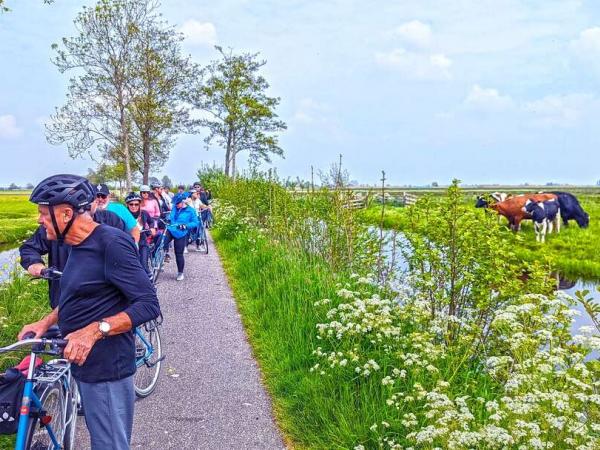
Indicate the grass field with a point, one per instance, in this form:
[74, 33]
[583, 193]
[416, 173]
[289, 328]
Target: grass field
[17, 218]
[574, 252]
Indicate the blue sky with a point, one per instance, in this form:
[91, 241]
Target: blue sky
[488, 91]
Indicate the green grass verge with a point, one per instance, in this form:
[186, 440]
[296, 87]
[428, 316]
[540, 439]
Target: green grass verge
[17, 218]
[22, 301]
[275, 291]
[574, 252]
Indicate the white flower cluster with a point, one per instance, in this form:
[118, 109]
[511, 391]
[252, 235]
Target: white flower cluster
[528, 385]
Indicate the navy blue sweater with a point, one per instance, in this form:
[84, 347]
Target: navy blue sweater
[37, 245]
[103, 277]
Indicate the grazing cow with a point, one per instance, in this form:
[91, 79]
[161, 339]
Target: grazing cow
[485, 201]
[512, 208]
[545, 216]
[570, 209]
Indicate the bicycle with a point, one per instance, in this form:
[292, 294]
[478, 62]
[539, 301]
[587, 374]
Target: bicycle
[156, 255]
[199, 235]
[49, 398]
[148, 348]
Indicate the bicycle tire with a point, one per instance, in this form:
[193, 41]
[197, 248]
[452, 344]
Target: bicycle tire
[204, 242]
[52, 400]
[148, 367]
[159, 259]
[72, 415]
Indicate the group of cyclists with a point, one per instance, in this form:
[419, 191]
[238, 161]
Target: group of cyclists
[102, 249]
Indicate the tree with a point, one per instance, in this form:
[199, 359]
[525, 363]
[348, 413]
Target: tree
[29, 186]
[95, 116]
[335, 177]
[241, 117]
[13, 187]
[162, 77]
[166, 181]
[4, 8]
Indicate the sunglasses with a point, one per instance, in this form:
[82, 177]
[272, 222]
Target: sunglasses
[101, 195]
[145, 193]
[133, 204]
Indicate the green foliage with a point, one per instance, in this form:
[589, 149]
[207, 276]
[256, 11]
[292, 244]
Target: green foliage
[212, 177]
[460, 261]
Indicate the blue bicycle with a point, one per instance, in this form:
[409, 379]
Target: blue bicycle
[198, 236]
[48, 402]
[156, 255]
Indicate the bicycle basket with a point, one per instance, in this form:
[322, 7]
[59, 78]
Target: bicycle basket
[12, 383]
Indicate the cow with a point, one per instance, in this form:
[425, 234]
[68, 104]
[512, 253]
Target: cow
[485, 201]
[545, 216]
[512, 208]
[570, 209]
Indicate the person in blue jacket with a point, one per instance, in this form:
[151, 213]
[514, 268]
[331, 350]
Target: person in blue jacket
[183, 218]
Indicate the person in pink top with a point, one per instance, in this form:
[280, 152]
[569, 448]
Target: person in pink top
[149, 204]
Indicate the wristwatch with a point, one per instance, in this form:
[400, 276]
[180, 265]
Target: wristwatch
[104, 328]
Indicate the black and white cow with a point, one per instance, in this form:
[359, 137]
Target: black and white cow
[545, 216]
[570, 209]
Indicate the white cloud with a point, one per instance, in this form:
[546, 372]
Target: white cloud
[587, 47]
[415, 65]
[199, 33]
[487, 99]
[9, 128]
[560, 110]
[414, 33]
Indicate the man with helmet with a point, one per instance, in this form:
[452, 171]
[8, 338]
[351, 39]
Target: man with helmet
[104, 294]
[38, 245]
[146, 225]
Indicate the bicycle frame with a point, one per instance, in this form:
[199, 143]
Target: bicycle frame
[149, 349]
[30, 401]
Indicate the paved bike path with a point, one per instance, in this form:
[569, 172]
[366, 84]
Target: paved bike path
[209, 395]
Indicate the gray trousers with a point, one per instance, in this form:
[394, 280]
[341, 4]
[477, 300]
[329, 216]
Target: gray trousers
[108, 408]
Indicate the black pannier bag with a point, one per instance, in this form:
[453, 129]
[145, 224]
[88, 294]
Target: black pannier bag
[12, 383]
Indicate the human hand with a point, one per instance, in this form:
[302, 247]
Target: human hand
[80, 343]
[35, 270]
[39, 328]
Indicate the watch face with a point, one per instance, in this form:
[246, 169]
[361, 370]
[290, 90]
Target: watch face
[104, 327]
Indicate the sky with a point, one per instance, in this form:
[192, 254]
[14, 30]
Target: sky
[487, 91]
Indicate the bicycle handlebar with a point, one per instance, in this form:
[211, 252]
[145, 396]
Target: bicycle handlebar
[62, 343]
[50, 273]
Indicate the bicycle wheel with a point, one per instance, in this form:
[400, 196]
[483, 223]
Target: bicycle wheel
[148, 358]
[53, 404]
[203, 241]
[157, 263]
[71, 416]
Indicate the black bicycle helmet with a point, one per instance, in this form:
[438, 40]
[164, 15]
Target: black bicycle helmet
[60, 189]
[132, 197]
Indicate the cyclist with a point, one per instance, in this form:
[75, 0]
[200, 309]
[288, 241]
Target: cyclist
[103, 200]
[38, 245]
[193, 201]
[183, 218]
[104, 294]
[157, 190]
[146, 225]
[149, 204]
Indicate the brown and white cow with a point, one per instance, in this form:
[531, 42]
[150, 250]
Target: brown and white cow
[513, 208]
